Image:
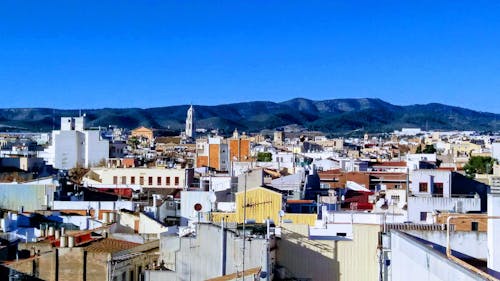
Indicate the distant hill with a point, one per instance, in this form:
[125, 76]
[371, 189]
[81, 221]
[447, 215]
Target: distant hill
[338, 116]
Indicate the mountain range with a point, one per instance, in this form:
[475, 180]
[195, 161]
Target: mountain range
[335, 116]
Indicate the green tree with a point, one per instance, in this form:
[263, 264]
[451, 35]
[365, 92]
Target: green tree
[419, 149]
[479, 165]
[429, 148]
[264, 157]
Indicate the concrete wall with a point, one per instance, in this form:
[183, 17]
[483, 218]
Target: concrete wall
[199, 258]
[149, 226]
[417, 205]
[471, 243]
[95, 148]
[430, 177]
[495, 150]
[188, 200]
[329, 260]
[32, 197]
[364, 218]
[414, 261]
[95, 205]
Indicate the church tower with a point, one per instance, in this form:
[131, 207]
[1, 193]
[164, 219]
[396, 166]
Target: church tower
[190, 126]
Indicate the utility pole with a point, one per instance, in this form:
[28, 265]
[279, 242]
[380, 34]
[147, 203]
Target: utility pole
[244, 223]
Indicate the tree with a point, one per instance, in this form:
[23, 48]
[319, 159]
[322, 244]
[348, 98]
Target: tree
[429, 148]
[479, 165]
[76, 174]
[264, 157]
[419, 149]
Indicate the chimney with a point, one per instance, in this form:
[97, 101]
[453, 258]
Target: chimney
[494, 228]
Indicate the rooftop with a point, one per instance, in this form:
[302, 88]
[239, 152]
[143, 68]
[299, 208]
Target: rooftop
[110, 245]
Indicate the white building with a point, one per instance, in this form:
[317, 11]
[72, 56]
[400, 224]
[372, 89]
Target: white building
[73, 145]
[413, 159]
[431, 190]
[495, 150]
[430, 182]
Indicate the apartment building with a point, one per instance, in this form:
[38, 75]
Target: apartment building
[145, 177]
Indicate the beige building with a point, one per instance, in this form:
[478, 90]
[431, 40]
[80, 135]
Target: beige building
[343, 260]
[143, 132]
[103, 260]
[145, 177]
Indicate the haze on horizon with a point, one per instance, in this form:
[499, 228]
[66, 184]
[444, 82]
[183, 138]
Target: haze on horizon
[159, 53]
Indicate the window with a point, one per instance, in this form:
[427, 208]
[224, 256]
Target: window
[397, 186]
[438, 188]
[395, 199]
[474, 226]
[141, 180]
[167, 179]
[176, 183]
[158, 181]
[150, 180]
[423, 216]
[422, 187]
[132, 180]
[115, 180]
[124, 180]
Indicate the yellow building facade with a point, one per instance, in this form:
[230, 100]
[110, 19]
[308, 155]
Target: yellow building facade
[261, 204]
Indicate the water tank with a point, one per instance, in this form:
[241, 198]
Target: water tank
[3, 225]
[63, 241]
[51, 231]
[105, 217]
[57, 234]
[112, 216]
[63, 231]
[71, 241]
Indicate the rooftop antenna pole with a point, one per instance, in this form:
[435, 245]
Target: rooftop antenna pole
[244, 223]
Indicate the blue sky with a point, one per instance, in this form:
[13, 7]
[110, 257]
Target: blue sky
[94, 54]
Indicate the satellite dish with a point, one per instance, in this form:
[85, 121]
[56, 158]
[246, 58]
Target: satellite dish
[281, 213]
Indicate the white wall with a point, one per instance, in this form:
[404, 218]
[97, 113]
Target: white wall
[495, 150]
[95, 148]
[96, 205]
[364, 218]
[494, 230]
[188, 200]
[414, 261]
[430, 177]
[471, 243]
[417, 205]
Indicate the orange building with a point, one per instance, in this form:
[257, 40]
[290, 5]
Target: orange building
[212, 153]
[239, 150]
